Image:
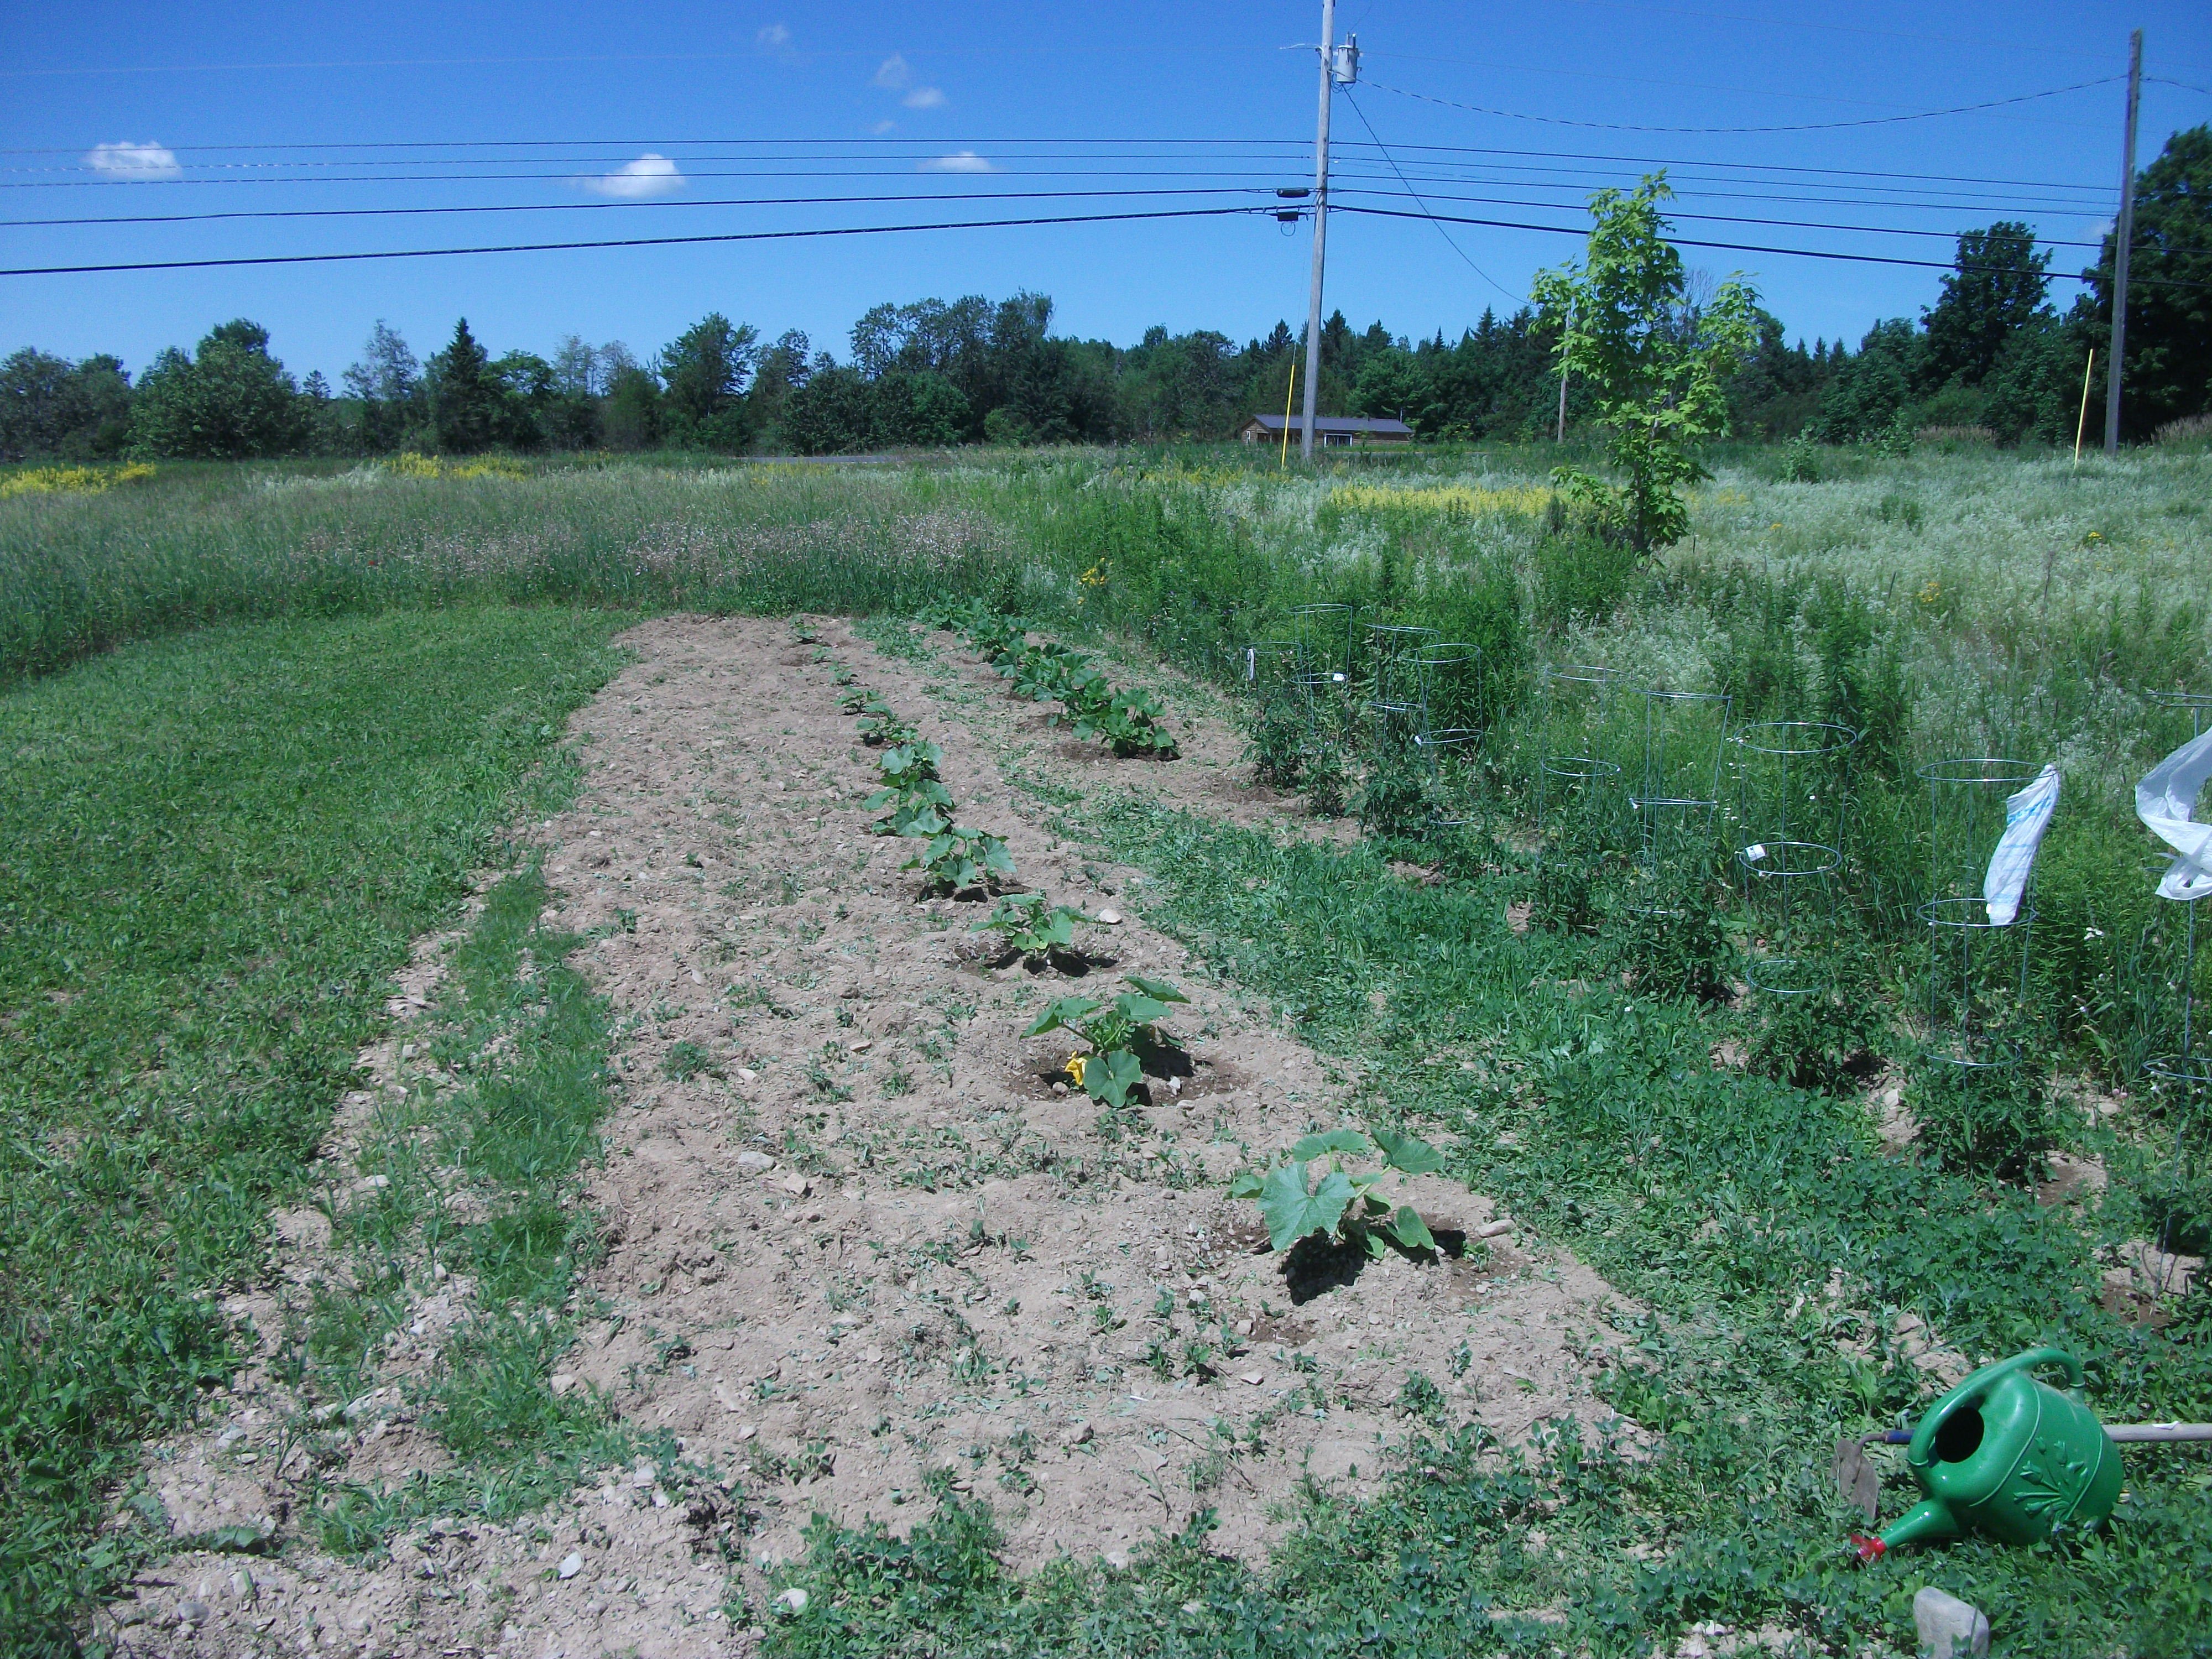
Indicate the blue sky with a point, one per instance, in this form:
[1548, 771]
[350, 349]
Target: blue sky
[620, 121]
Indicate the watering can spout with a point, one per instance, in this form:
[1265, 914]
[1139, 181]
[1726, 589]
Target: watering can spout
[1930, 1518]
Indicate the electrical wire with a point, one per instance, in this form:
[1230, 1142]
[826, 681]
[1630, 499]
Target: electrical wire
[629, 241]
[1518, 298]
[1807, 126]
[1789, 253]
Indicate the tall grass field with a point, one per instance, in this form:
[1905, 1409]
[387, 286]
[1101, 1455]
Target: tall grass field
[264, 725]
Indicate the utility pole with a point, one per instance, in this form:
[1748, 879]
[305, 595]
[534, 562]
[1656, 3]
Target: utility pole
[1336, 65]
[2123, 233]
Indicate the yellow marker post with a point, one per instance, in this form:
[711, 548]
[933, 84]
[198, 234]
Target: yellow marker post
[2081, 420]
[1283, 459]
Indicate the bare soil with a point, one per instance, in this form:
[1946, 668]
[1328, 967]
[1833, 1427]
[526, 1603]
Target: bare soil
[873, 1256]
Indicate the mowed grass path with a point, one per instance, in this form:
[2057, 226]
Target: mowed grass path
[214, 852]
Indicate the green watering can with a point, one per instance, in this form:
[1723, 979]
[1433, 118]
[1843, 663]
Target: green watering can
[2005, 1455]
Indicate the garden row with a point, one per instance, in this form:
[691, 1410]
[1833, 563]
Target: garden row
[915, 803]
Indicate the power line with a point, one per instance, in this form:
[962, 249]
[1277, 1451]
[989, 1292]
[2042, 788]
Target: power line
[630, 241]
[1807, 126]
[1754, 248]
[1518, 298]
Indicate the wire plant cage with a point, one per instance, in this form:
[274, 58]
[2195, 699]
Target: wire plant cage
[1451, 735]
[1977, 966]
[1578, 769]
[1792, 792]
[1676, 795]
[1324, 636]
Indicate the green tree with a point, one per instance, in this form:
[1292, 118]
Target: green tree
[632, 417]
[1658, 366]
[465, 395]
[2168, 372]
[228, 400]
[49, 406]
[703, 374]
[1873, 389]
[1997, 289]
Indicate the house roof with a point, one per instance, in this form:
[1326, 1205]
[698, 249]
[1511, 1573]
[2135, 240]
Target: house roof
[1333, 424]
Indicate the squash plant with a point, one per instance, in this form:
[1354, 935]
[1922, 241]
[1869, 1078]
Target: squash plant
[1312, 1191]
[913, 801]
[1032, 928]
[1112, 1030]
[1135, 723]
[956, 859]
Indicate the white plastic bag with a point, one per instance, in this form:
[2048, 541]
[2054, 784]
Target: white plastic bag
[2027, 814]
[2166, 800]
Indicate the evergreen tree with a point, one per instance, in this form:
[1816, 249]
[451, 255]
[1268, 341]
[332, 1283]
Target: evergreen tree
[703, 374]
[463, 395]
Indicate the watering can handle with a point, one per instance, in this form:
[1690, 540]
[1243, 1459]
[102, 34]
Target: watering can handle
[1973, 1387]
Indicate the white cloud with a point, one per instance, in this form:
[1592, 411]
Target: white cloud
[964, 161]
[924, 98]
[649, 175]
[775, 35]
[882, 127]
[895, 73]
[134, 160]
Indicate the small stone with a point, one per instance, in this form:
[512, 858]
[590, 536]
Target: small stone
[241, 1584]
[191, 1611]
[755, 1163]
[1493, 1228]
[563, 1381]
[863, 1043]
[792, 1602]
[698, 978]
[1243, 1327]
[1949, 1628]
[797, 1185]
[1059, 1088]
[1079, 1435]
[1110, 917]
[571, 1564]
[747, 1433]
[745, 1073]
[1256, 1378]
[660, 1498]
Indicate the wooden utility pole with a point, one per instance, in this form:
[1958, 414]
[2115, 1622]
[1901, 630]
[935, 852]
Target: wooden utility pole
[2123, 232]
[1335, 65]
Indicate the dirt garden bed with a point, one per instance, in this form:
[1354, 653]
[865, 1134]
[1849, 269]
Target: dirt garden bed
[860, 1251]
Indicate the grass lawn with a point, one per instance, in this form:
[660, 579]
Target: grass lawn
[215, 849]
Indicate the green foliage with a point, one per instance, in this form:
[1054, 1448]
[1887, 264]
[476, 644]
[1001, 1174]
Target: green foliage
[190, 973]
[1299, 1197]
[1800, 462]
[1996, 287]
[1328, 782]
[913, 802]
[686, 1059]
[52, 409]
[463, 394]
[1677, 943]
[702, 373]
[2168, 372]
[1984, 1120]
[1278, 736]
[1582, 577]
[1821, 1039]
[1114, 1031]
[1393, 798]
[881, 724]
[228, 399]
[956, 859]
[1032, 928]
[1659, 366]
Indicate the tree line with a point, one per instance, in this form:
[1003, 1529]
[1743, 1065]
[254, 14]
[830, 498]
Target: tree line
[1992, 353]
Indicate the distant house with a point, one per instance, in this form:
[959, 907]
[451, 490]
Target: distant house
[1334, 431]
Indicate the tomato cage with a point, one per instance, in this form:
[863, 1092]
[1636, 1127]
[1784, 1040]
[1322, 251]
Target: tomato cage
[1793, 780]
[1977, 950]
[2179, 1061]
[1324, 636]
[1451, 729]
[1578, 769]
[1677, 796]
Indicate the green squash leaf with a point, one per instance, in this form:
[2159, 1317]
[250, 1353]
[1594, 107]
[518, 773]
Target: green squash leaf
[1060, 1013]
[1408, 1154]
[1292, 1214]
[1159, 989]
[1107, 1079]
[1335, 1140]
[1410, 1231]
